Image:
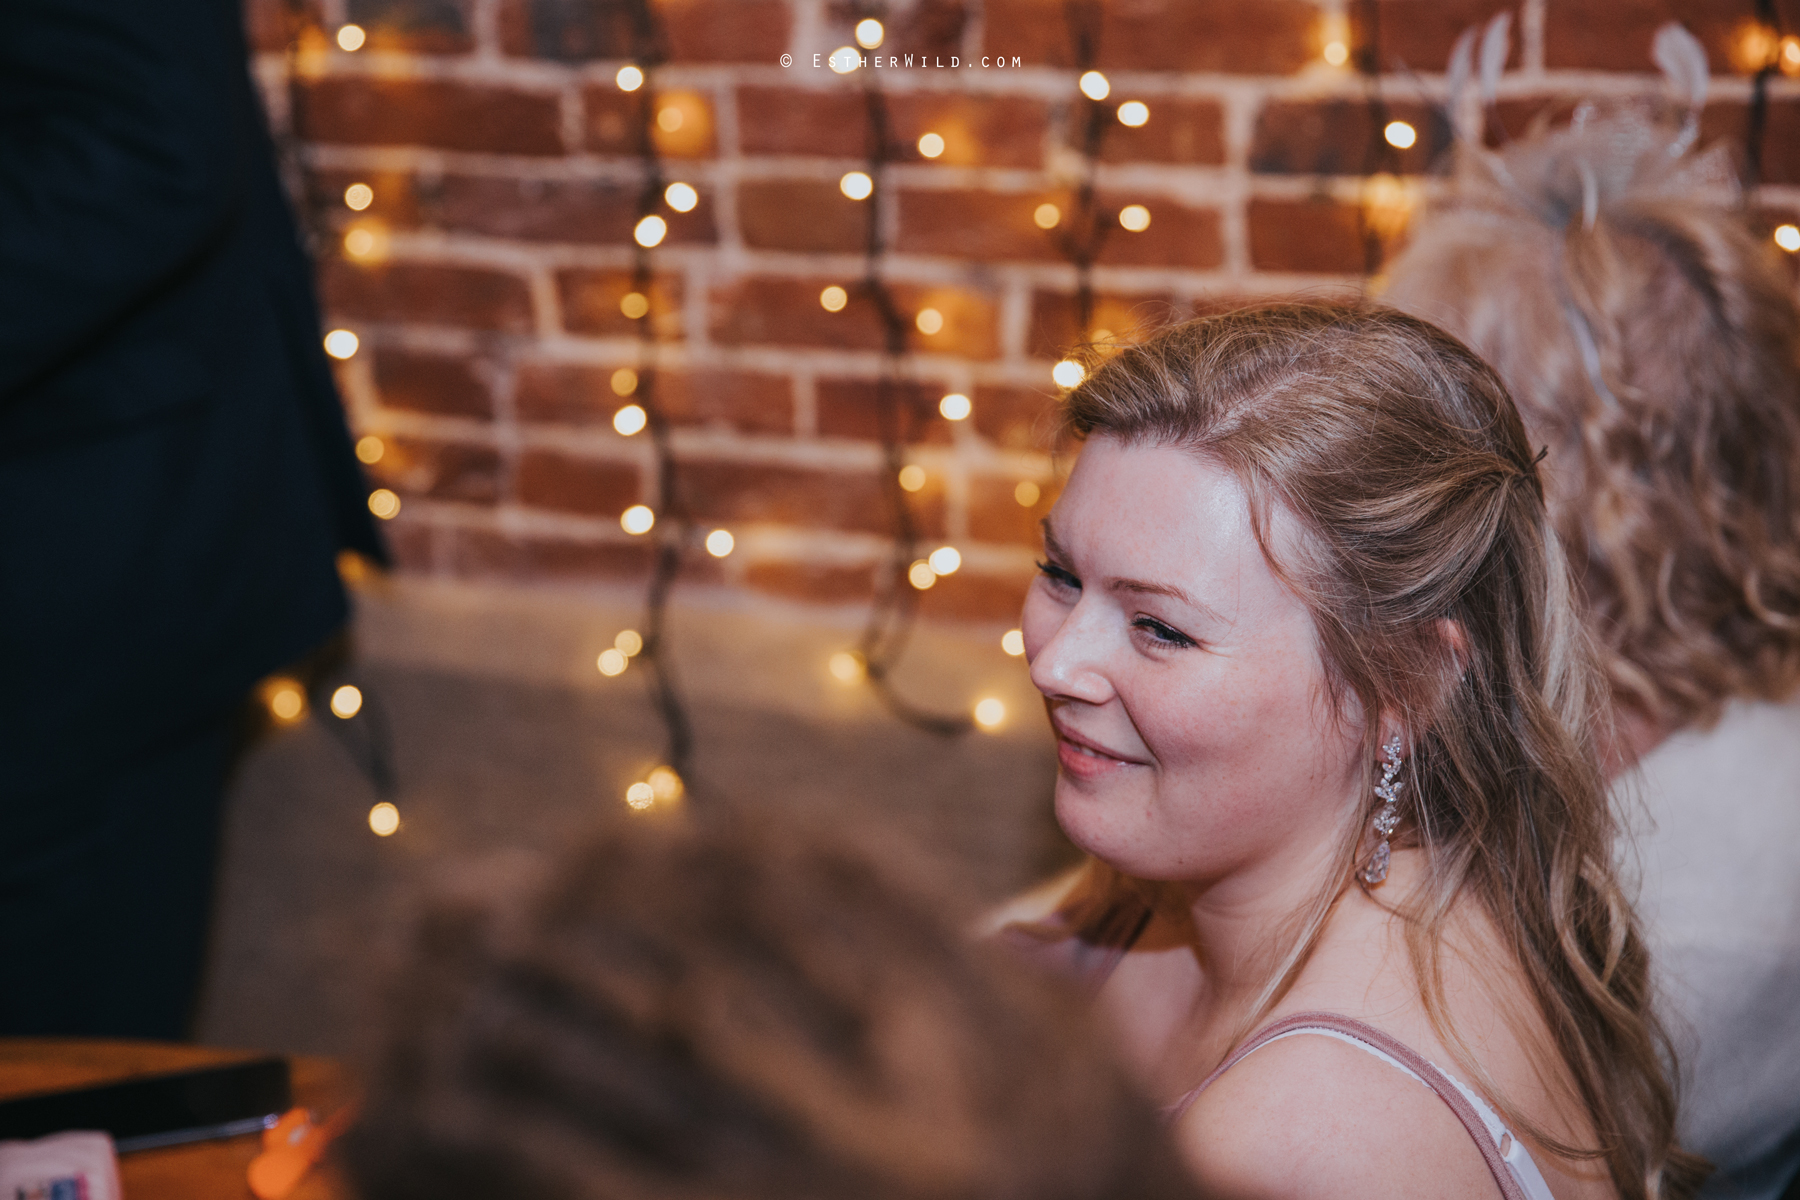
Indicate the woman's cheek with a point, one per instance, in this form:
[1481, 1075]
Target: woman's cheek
[1040, 619]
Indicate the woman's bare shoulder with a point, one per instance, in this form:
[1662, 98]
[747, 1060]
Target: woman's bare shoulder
[1310, 1116]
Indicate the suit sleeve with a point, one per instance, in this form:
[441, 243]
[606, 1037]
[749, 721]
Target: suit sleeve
[119, 162]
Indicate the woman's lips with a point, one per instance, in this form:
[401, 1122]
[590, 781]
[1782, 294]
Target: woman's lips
[1086, 760]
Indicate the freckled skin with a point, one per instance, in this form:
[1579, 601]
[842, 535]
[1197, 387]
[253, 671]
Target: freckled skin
[1221, 759]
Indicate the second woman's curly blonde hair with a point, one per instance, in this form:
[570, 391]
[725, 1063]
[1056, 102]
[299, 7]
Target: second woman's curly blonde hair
[1652, 340]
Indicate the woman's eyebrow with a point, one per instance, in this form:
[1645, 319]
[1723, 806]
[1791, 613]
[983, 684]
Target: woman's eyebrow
[1136, 586]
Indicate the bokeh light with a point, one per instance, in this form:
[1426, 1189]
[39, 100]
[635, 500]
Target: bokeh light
[944, 560]
[629, 79]
[1134, 113]
[719, 543]
[955, 406]
[833, 299]
[384, 819]
[384, 504]
[612, 661]
[631, 419]
[856, 185]
[931, 145]
[637, 519]
[990, 712]
[1095, 86]
[1013, 642]
[1400, 135]
[341, 343]
[346, 702]
[912, 477]
[869, 33]
[1068, 373]
[358, 196]
[1135, 217]
[369, 449]
[920, 575]
[681, 197]
[929, 321]
[351, 37]
[1027, 493]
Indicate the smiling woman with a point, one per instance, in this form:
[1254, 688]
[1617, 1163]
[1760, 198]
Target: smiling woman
[1298, 539]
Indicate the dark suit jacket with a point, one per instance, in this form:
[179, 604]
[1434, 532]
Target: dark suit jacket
[176, 475]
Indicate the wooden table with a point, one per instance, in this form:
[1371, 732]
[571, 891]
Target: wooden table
[200, 1170]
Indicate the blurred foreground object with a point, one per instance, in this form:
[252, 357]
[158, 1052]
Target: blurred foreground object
[737, 1010]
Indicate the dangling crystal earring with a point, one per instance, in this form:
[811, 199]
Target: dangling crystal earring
[1377, 867]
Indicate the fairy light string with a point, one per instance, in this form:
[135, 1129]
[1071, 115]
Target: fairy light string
[894, 608]
[1084, 235]
[674, 525]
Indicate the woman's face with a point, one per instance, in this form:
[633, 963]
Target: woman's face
[1195, 736]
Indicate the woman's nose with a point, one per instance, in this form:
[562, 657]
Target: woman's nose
[1072, 664]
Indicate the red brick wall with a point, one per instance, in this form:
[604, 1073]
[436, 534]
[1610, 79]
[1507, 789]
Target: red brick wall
[499, 151]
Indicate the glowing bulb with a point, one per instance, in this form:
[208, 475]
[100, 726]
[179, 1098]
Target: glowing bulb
[833, 299]
[670, 119]
[358, 196]
[989, 712]
[370, 449]
[869, 33]
[640, 796]
[346, 702]
[1027, 494]
[912, 477]
[1400, 135]
[612, 661]
[681, 196]
[630, 419]
[929, 321]
[1134, 113]
[665, 784]
[1336, 53]
[856, 185]
[844, 60]
[944, 560]
[1047, 216]
[637, 519]
[287, 703]
[1790, 53]
[384, 504]
[955, 406]
[629, 79]
[351, 37]
[1013, 642]
[719, 543]
[1788, 237]
[359, 242]
[845, 666]
[1135, 217]
[931, 145]
[384, 819]
[630, 643]
[650, 231]
[341, 343]
[634, 305]
[1068, 373]
[1095, 86]
[920, 575]
[624, 382]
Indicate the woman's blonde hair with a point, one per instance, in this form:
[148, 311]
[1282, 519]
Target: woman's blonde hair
[1419, 503]
[1653, 342]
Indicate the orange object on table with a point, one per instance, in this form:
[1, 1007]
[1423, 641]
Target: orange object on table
[216, 1170]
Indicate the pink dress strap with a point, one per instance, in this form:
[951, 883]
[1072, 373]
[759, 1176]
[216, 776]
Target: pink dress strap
[1429, 1075]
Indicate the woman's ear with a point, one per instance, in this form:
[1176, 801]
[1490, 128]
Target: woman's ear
[1457, 638]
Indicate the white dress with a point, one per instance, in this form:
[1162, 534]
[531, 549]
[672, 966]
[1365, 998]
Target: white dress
[1716, 822]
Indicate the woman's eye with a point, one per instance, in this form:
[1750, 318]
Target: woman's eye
[1162, 634]
[1057, 575]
